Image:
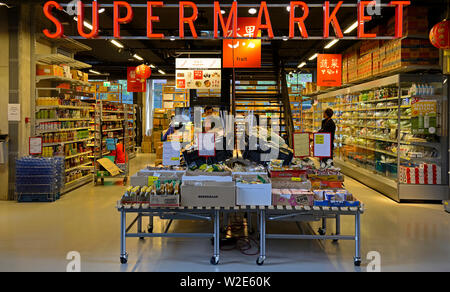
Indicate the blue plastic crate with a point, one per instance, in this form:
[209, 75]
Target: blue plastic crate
[44, 198]
[352, 204]
[322, 203]
[337, 204]
[36, 189]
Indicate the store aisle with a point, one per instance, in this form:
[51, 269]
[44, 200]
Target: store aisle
[38, 236]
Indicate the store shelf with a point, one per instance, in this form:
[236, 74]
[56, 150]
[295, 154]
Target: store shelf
[40, 78]
[62, 107]
[113, 130]
[62, 120]
[77, 183]
[77, 155]
[85, 165]
[67, 142]
[60, 130]
[57, 59]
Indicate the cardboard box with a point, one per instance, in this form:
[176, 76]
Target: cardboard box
[85, 77]
[290, 183]
[49, 70]
[77, 75]
[147, 139]
[138, 181]
[146, 147]
[208, 194]
[293, 200]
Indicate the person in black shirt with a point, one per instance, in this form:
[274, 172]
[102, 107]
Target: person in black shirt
[328, 126]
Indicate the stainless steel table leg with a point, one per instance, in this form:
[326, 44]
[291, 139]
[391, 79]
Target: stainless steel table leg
[150, 224]
[338, 226]
[323, 229]
[123, 252]
[262, 237]
[216, 257]
[139, 224]
[357, 259]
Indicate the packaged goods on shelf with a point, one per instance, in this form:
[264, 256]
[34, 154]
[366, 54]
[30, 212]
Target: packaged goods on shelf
[335, 198]
[424, 174]
[292, 197]
[146, 147]
[253, 190]
[206, 193]
[290, 183]
[49, 70]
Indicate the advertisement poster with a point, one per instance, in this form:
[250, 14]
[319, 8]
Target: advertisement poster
[198, 73]
[35, 145]
[134, 84]
[329, 70]
[241, 53]
[301, 145]
[423, 116]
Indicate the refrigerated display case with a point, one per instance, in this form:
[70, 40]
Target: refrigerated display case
[392, 135]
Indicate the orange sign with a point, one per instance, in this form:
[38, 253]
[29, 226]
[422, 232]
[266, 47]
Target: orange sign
[329, 70]
[243, 53]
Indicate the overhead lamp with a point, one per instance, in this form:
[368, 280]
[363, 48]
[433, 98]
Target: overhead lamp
[252, 11]
[85, 23]
[117, 44]
[222, 11]
[161, 72]
[136, 56]
[313, 57]
[332, 43]
[152, 66]
[101, 10]
[172, 39]
[95, 72]
[285, 39]
[351, 27]
[303, 64]
[288, 8]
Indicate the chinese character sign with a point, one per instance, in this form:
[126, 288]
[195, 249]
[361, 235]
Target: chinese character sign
[329, 70]
[243, 53]
[134, 84]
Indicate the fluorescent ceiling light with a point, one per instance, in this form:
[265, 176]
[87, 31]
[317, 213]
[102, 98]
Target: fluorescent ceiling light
[117, 44]
[136, 56]
[172, 39]
[161, 72]
[352, 27]
[332, 43]
[95, 72]
[222, 11]
[101, 10]
[303, 64]
[85, 23]
[152, 66]
[285, 39]
[252, 11]
[313, 57]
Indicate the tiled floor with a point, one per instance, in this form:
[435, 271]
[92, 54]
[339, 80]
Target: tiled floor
[38, 236]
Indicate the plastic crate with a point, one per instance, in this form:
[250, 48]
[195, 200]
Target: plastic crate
[44, 198]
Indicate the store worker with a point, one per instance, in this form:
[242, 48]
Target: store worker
[328, 126]
[212, 122]
[172, 128]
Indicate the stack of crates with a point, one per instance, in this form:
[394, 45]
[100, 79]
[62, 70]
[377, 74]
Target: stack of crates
[39, 179]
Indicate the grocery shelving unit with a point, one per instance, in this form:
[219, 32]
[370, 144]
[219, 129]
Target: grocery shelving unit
[61, 116]
[374, 140]
[111, 121]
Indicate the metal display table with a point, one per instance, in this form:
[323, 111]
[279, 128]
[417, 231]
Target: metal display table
[268, 213]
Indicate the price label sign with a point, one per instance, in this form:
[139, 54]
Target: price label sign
[320, 139]
[322, 145]
[171, 153]
[297, 179]
[35, 144]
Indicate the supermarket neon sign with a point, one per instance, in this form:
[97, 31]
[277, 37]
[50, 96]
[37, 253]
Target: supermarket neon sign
[263, 19]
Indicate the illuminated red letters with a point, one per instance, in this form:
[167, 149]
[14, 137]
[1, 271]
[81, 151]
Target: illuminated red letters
[190, 20]
[59, 28]
[121, 20]
[232, 17]
[327, 18]
[299, 20]
[268, 25]
[363, 18]
[151, 19]
[94, 31]
[399, 16]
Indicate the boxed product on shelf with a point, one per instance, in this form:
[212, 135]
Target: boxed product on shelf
[290, 183]
[298, 173]
[292, 197]
[335, 198]
[253, 190]
[49, 70]
[165, 193]
[415, 22]
[77, 75]
[146, 147]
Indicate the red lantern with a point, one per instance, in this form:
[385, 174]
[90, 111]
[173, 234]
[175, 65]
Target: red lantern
[143, 72]
[440, 35]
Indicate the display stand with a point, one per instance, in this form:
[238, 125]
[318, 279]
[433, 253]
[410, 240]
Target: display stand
[267, 213]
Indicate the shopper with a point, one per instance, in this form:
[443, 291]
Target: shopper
[169, 131]
[328, 126]
[212, 122]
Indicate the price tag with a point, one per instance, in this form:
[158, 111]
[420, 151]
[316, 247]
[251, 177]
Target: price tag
[297, 179]
[175, 158]
[320, 139]
[151, 180]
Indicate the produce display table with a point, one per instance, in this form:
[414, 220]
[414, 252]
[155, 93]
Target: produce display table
[269, 213]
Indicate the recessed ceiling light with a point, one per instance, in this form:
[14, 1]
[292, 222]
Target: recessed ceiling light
[136, 56]
[172, 39]
[117, 44]
[288, 8]
[222, 11]
[285, 39]
[252, 11]
[351, 27]
[332, 43]
[313, 57]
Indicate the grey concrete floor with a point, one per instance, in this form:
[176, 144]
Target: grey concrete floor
[38, 236]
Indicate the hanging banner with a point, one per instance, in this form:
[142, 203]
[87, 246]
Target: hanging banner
[423, 116]
[134, 84]
[329, 70]
[198, 73]
[243, 53]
